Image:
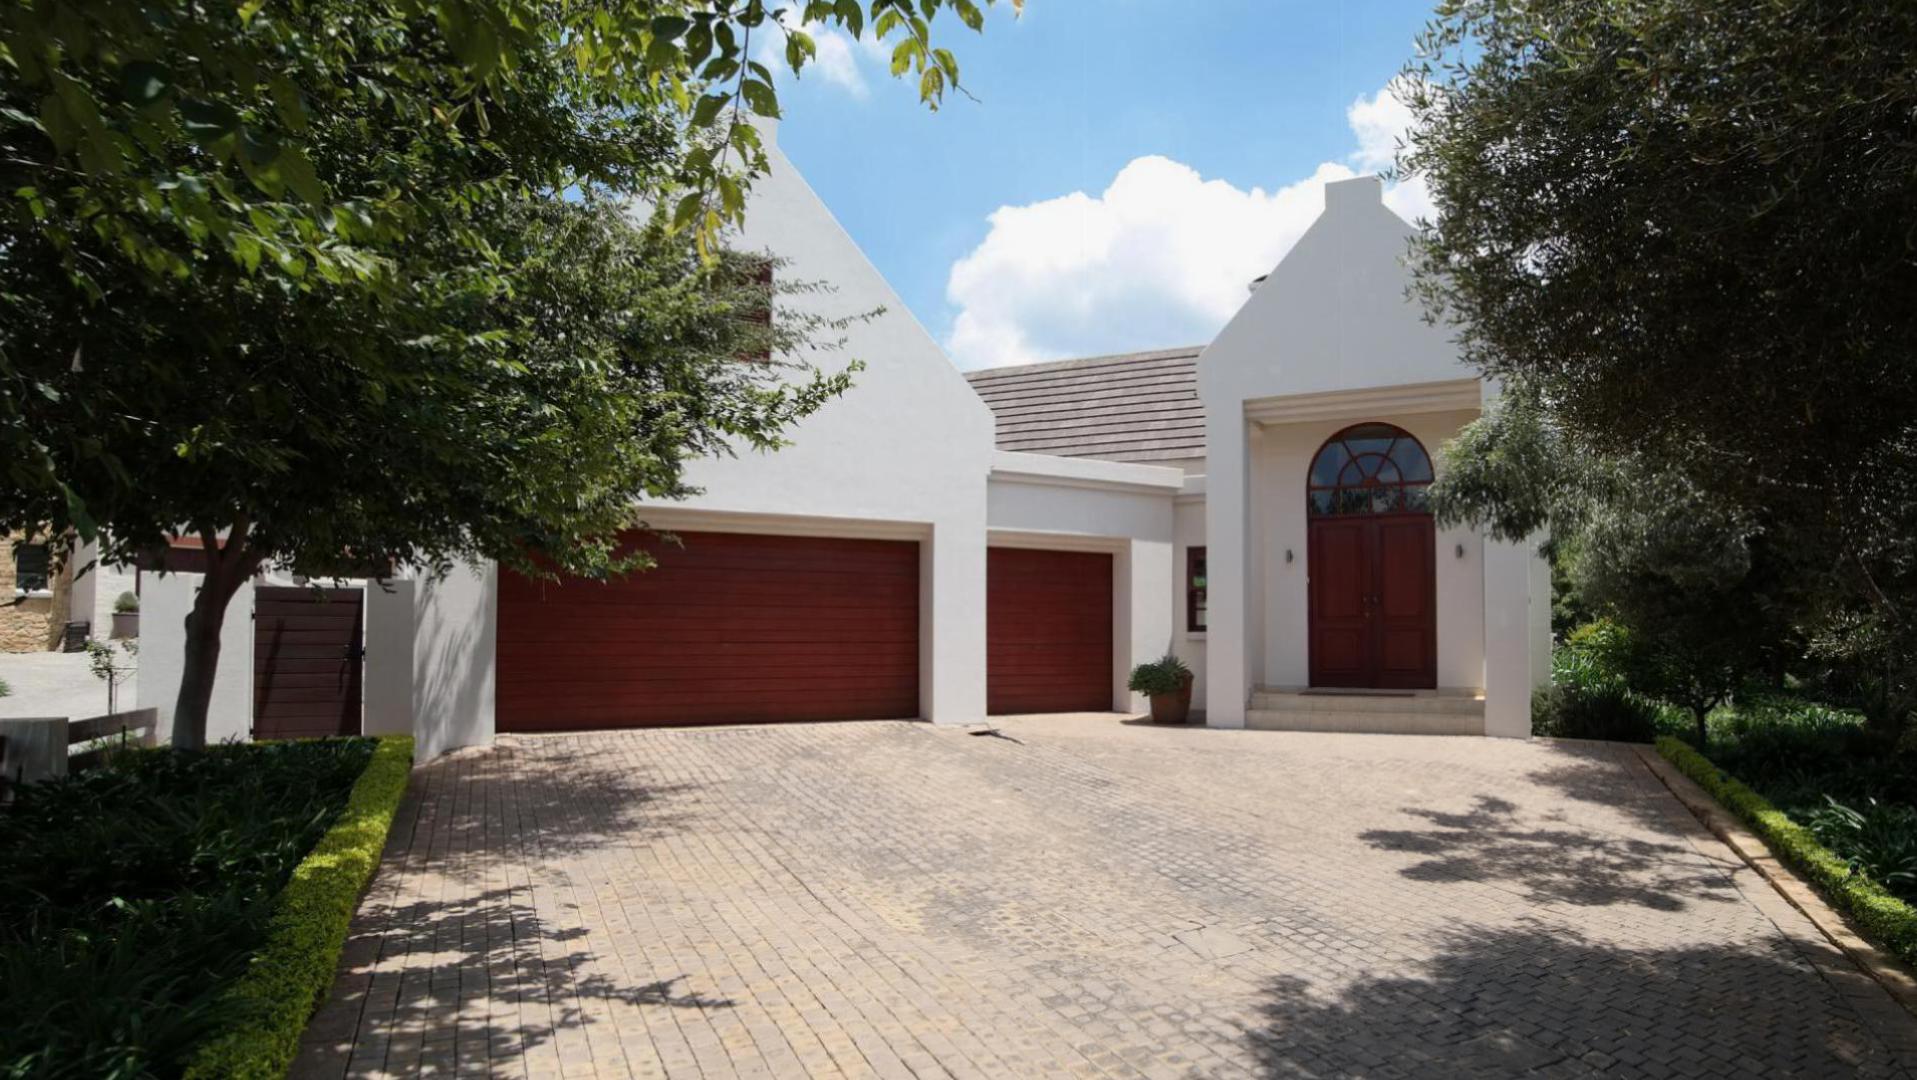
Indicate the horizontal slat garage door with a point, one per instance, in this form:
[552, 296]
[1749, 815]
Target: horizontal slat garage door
[729, 628]
[1048, 631]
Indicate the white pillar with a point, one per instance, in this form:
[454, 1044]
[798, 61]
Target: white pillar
[454, 652]
[952, 623]
[389, 657]
[1228, 570]
[1146, 575]
[83, 594]
[1510, 649]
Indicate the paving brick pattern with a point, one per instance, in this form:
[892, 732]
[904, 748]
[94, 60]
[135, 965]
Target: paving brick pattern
[1078, 898]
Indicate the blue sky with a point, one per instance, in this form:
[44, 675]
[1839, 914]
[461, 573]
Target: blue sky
[1238, 109]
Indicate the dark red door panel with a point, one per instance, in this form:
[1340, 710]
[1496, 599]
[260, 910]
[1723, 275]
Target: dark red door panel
[1340, 559]
[730, 628]
[306, 662]
[1048, 631]
[1373, 602]
[1406, 604]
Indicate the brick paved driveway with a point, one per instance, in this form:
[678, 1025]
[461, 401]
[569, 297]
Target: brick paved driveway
[1083, 898]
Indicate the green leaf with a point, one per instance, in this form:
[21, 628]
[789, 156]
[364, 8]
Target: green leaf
[670, 27]
[708, 108]
[144, 82]
[207, 120]
[298, 173]
[902, 56]
[851, 15]
[761, 97]
[687, 210]
[799, 47]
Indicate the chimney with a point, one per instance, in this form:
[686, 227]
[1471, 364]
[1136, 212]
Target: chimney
[1341, 195]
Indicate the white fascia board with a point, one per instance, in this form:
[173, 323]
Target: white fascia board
[1012, 467]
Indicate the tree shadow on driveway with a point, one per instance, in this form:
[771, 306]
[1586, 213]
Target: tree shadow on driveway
[468, 981]
[1543, 1002]
[1491, 843]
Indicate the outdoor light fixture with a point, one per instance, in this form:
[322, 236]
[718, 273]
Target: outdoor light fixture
[1460, 551]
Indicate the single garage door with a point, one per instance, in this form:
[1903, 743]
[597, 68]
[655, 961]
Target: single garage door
[728, 629]
[1048, 631]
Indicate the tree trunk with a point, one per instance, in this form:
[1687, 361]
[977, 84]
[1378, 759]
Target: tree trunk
[1703, 729]
[227, 568]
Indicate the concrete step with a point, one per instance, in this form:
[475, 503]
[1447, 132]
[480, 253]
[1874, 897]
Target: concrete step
[1424, 712]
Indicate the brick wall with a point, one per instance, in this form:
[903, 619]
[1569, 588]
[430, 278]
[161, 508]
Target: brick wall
[32, 624]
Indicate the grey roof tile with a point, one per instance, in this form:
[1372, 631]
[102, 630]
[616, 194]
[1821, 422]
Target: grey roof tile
[1131, 407]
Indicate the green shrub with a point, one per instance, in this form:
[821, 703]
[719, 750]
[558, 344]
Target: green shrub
[1598, 655]
[1881, 917]
[132, 897]
[1165, 675]
[1611, 712]
[292, 973]
[126, 603]
[1879, 841]
[4, 688]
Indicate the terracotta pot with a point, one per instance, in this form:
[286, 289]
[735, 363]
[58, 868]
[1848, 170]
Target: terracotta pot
[1173, 708]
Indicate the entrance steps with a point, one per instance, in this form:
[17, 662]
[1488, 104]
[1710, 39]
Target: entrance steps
[1378, 712]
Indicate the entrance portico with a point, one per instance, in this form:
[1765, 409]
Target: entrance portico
[1335, 600]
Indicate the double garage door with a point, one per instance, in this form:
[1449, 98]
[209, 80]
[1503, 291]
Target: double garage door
[733, 628]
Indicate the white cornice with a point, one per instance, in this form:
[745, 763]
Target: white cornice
[1451, 395]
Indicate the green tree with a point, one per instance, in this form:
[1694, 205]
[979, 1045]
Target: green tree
[355, 284]
[1680, 234]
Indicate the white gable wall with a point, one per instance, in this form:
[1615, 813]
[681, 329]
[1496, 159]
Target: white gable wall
[904, 453]
[1334, 315]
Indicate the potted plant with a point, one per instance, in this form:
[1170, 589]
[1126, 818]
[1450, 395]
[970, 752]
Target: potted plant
[1167, 681]
[126, 616]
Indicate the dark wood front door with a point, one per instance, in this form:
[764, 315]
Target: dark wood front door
[307, 661]
[1373, 602]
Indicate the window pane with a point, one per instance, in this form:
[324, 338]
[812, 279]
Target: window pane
[1412, 461]
[30, 566]
[1331, 461]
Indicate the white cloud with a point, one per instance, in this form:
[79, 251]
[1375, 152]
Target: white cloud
[840, 60]
[1161, 257]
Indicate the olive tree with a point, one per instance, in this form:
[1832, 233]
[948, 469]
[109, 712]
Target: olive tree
[1680, 233]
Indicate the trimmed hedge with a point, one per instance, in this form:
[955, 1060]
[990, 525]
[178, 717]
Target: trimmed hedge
[294, 969]
[1881, 917]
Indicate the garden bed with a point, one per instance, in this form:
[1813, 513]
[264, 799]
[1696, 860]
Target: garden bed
[180, 913]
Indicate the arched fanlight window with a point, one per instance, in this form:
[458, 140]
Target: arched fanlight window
[1369, 469]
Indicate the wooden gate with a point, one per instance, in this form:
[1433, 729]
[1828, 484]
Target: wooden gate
[308, 658]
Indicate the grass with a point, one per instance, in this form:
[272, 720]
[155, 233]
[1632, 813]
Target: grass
[134, 898]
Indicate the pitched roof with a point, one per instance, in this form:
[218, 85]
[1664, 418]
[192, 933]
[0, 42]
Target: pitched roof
[1131, 407]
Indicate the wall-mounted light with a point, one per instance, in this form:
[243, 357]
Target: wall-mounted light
[1460, 551]
[1287, 554]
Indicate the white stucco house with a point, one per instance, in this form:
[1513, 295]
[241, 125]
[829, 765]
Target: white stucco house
[949, 548]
